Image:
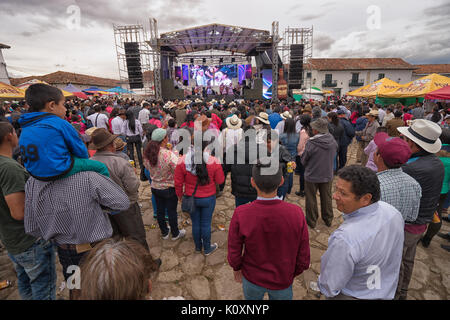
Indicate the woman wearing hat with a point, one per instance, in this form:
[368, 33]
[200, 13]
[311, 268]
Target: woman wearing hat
[261, 125]
[161, 163]
[232, 133]
[368, 133]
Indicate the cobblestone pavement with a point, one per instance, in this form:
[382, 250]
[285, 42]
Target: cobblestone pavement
[193, 276]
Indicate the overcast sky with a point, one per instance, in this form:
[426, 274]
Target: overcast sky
[43, 39]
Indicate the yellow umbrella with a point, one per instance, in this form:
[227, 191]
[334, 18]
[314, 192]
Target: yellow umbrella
[9, 92]
[374, 89]
[417, 88]
[24, 86]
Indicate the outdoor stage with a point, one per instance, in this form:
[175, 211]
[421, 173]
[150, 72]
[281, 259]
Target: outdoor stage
[214, 57]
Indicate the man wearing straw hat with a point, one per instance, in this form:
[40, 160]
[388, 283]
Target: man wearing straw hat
[127, 223]
[424, 166]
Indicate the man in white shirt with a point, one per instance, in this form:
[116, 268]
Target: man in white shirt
[98, 119]
[144, 114]
[116, 123]
[364, 254]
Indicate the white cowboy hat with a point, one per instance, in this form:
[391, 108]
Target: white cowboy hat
[198, 100]
[263, 117]
[286, 115]
[223, 101]
[213, 101]
[425, 133]
[232, 103]
[233, 122]
[373, 113]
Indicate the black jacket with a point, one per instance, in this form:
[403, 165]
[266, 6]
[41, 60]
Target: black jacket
[429, 171]
[337, 132]
[240, 166]
[349, 132]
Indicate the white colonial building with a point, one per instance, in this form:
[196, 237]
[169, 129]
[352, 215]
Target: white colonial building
[344, 75]
[3, 72]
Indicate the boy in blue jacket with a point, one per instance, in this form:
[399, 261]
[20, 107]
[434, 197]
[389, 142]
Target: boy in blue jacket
[50, 146]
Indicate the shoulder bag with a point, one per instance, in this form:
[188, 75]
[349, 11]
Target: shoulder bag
[187, 202]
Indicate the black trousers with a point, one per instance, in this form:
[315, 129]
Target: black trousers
[300, 170]
[130, 149]
[433, 228]
[166, 200]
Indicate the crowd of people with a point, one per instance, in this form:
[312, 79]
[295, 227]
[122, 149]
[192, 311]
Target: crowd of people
[70, 184]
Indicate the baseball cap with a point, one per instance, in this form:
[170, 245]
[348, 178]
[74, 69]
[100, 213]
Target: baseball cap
[393, 150]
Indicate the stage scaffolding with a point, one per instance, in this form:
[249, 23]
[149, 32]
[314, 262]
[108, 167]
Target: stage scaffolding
[209, 43]
[293, 36]
[137, 34]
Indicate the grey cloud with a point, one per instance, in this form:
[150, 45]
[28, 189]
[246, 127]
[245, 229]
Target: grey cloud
[441, 10]
[26, 34]
[105, 12]
[311, 16]
[323, 42]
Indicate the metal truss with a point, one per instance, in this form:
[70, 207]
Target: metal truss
[133, 33]
[275, 40]
[299, 36]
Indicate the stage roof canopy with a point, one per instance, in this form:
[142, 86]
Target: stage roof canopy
[214, 37]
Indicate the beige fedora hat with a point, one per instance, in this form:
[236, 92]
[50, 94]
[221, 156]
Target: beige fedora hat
[263, 117]
[233, 122]
[286, 115]
[425, 133]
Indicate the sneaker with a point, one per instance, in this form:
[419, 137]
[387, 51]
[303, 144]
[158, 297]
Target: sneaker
[214, 247]
[300, 193]
[167, 235]
[181, 234]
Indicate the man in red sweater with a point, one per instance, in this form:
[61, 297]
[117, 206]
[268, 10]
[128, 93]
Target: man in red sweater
[275, 236]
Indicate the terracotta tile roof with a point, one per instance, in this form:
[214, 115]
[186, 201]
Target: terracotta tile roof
[61, 77]
[4, 46]
[361, 64]
[432, 68]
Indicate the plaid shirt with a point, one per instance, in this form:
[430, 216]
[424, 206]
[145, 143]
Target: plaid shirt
[69, 210]
[401, 191]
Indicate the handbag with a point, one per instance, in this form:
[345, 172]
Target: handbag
[187, 202]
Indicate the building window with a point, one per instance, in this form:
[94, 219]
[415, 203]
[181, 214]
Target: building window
[381, 76]
[328, 77]
[355, 77]
[308, 75]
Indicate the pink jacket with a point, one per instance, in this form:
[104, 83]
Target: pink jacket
[304, 137]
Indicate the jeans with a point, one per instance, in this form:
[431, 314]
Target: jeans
[147, 174]
[342, 153]
[167, 200]
[124, 140]
[240, 200]
[286, 187]
[254, 292]
[201, 222]
[36, 271]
